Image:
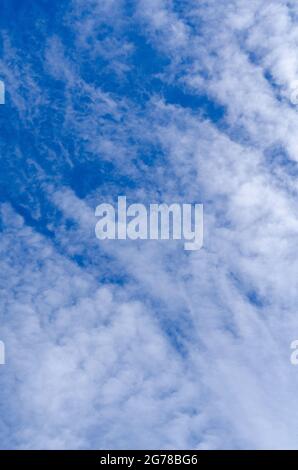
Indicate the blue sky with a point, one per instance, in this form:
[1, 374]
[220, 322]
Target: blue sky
[130, 345]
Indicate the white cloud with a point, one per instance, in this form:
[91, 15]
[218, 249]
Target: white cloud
[192, 350]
